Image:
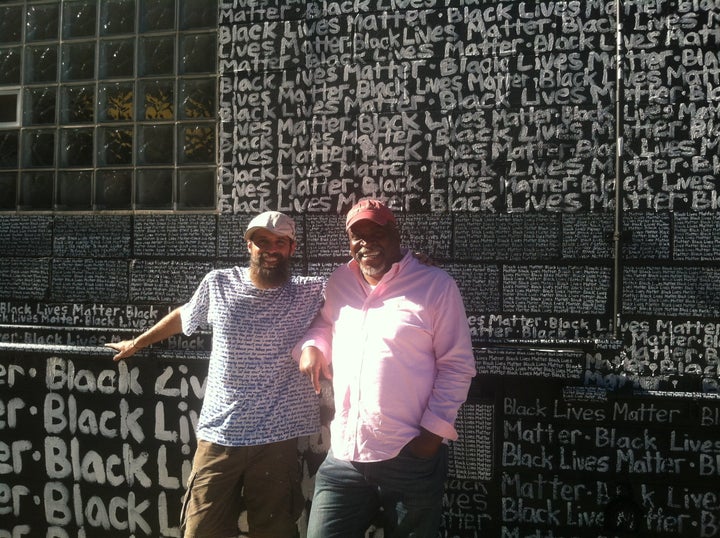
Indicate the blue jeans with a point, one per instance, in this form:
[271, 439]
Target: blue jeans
[349, 495]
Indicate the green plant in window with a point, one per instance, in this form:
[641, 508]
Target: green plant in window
[119, 106]
[199, 143]
[158, 107]
[196, 109]
[81, 107]
[119, 147]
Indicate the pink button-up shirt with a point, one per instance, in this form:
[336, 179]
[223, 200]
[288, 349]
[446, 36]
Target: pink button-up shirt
[401, 357]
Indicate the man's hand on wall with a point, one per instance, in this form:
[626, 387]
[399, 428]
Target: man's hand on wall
[124, 348]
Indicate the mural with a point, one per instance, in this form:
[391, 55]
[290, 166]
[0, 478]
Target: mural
[559, 159]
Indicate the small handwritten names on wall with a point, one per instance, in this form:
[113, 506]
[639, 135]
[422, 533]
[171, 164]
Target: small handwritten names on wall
[25, 278]
[506, 237]
[471, 456]
[647, 236]
[671, 291]
[533, 363]
[88, 279]
[94, 236]
[546, 288]
[26, 235]
[689, 231]
[176, 236]
[165, 281]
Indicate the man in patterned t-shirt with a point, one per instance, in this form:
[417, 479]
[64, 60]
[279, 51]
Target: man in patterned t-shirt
[256, 401]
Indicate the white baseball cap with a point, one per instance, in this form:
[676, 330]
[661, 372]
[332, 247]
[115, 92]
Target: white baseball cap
[274, 222]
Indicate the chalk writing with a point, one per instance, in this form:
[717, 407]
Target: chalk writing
[676, 291]
[531, 363]
[88, 279]
[25, 235]
[111, 459]
[429, 234]
[573, 290]
[479, 286]
[161, 281]
[92, 235]
[521, 327]
[507, 237]
[466, 508]
[688, 228]
[548, 440]
[471, 455]
[179, 236]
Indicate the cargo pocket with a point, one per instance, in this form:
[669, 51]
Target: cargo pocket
[186, 502]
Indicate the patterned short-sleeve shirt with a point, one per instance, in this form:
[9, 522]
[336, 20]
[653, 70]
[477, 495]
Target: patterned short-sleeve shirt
[255, 393]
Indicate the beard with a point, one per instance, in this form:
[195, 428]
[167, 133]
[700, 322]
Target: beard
[373, 268]
[270, 277]
[373, 271]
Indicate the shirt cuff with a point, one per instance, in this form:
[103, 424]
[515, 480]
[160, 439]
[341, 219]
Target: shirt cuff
[438, 426]
[185, 320]
[297, 350]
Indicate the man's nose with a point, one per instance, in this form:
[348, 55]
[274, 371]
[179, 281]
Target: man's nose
[368, 240]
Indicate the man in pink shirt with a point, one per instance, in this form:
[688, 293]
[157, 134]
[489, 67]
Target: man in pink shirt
[397, 337]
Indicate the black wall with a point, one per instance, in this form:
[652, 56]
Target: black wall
[564, 169]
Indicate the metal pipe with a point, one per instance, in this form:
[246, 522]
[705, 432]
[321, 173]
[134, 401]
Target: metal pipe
[617, 232]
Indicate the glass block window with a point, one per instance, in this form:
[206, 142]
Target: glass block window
[108, 105]
[9, 107]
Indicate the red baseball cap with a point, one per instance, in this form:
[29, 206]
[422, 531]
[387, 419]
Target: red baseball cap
[369, 209]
